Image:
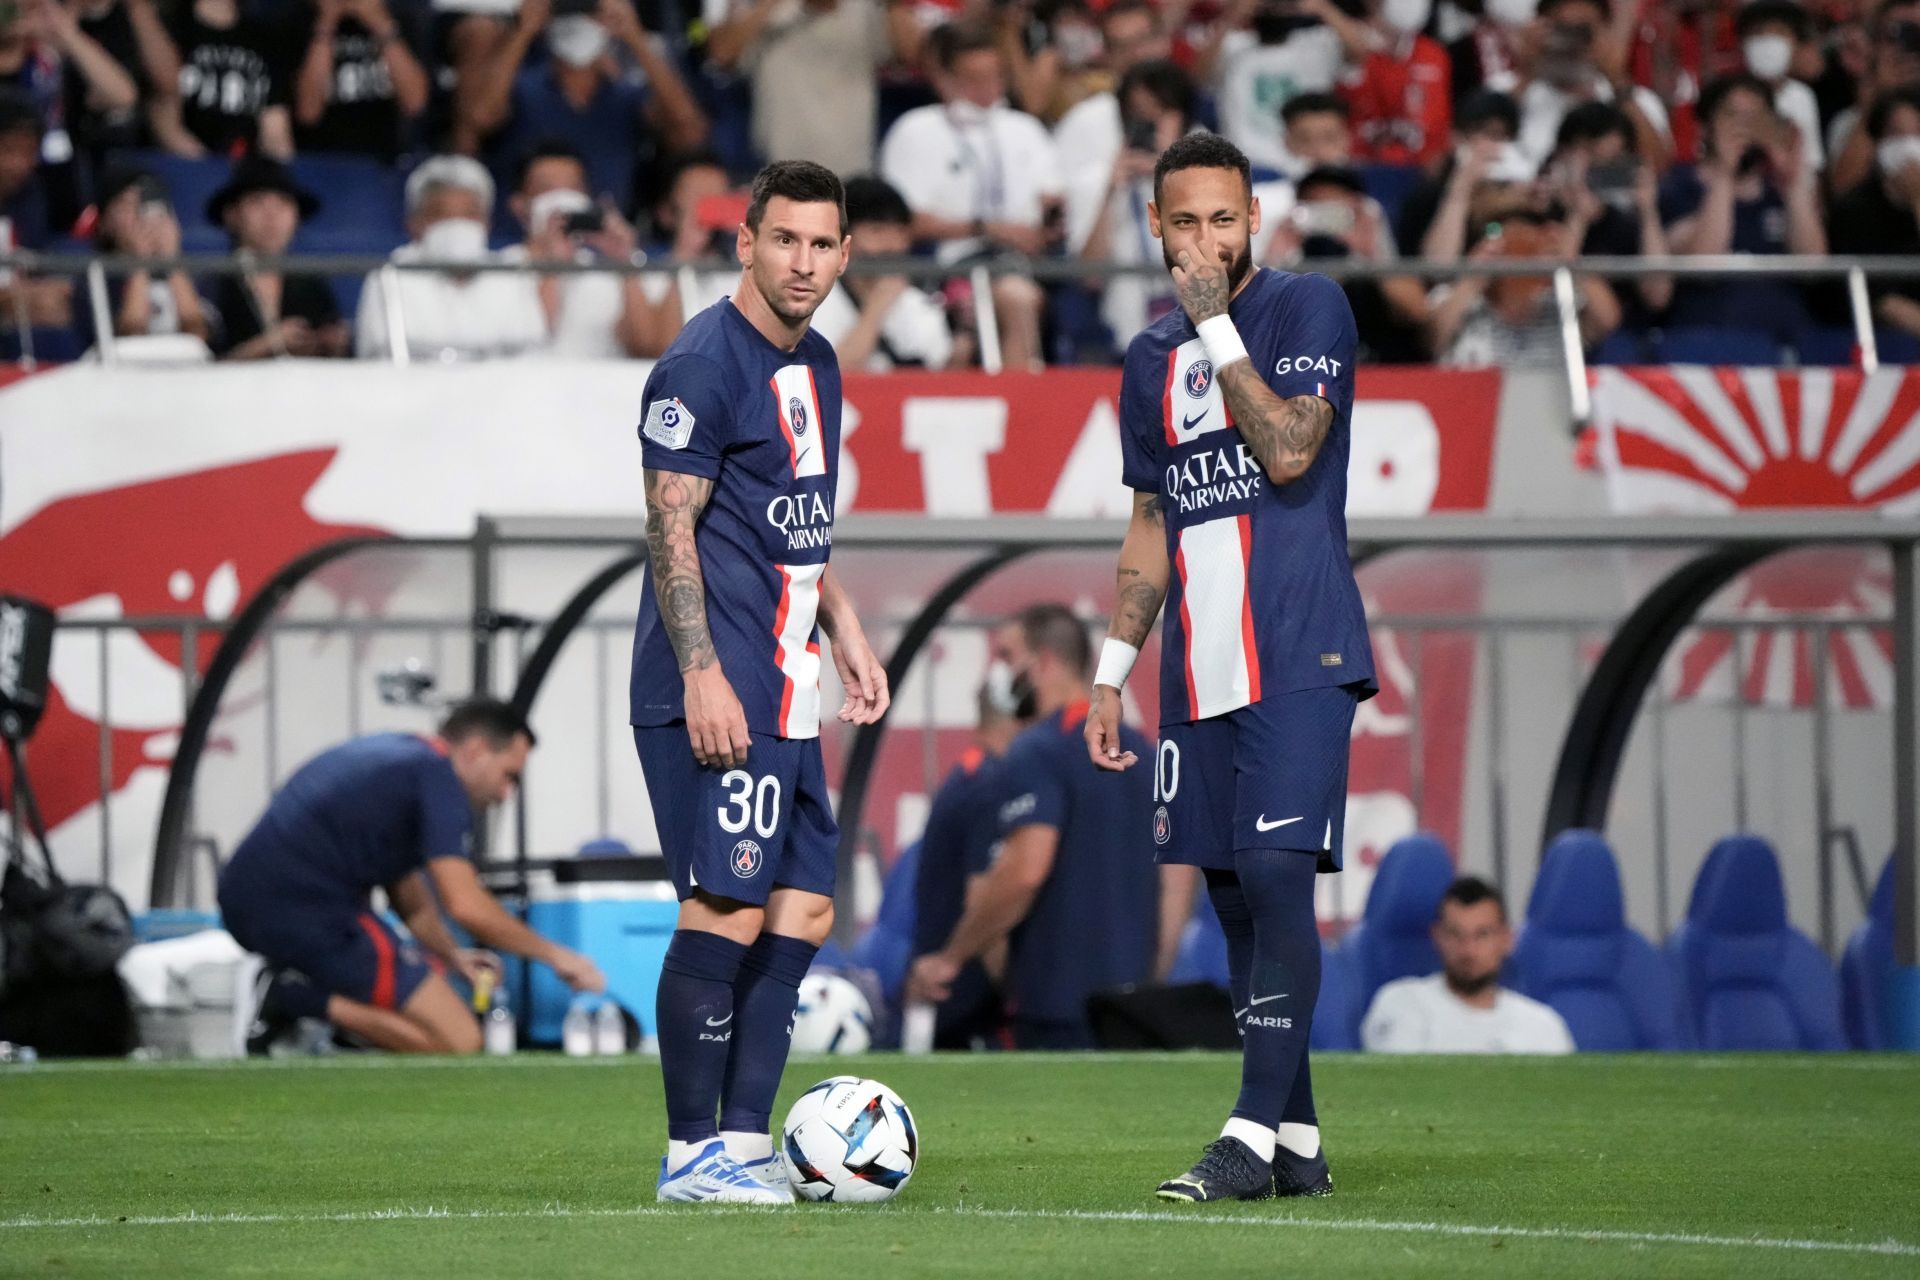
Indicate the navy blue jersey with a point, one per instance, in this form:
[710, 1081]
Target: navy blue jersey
[1094, 922]
[962, 827]
[360, 816]
[1262, 598]
[764, 425]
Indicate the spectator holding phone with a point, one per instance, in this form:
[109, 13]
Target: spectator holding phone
[1270, 51]
[594, 316]
[1156, 103]
[1752, 192]
[696, 218]
[234, 85]
[135, 216]
[879, 323]
[1772, 35]
[1612, 202]
[1333, 218]
[1882, 214]
[362, 82]
[1482, 124]
[1579, 57]
[606, 87]
[263, 314]
[1399, 88]
[1893, 64]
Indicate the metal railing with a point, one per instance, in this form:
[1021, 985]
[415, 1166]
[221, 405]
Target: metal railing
[1852, 272]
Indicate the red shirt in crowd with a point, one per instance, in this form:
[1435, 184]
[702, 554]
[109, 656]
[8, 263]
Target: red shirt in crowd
[1675, 55]
[1402, 104]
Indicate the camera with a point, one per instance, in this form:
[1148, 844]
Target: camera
[584, 222]
[1141, 136]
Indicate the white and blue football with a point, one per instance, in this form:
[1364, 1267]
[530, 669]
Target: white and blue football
[832, 1017]
[850, 1141]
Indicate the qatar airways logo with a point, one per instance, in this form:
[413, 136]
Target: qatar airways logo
[805, 518]
[1227, 474]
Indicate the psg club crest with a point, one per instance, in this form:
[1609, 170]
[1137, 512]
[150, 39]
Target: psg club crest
[746, 859]
[1162, 826]
[797, 415]
[1199, 378]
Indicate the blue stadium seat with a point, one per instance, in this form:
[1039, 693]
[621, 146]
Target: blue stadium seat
[1577, 954]
[1622, 346]
[1865, 967]
[1827, 345]
[1337, 1014]
[604, 847]
[1687, 345]
[1393, 938]
[362, 205]
[1203, 949]
[1747, 979]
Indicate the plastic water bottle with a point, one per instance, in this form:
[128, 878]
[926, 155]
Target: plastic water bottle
[609, 1028]
[576, 1029]
[499, 1033]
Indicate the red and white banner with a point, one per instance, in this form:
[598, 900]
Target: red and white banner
[139, 493]
[1703, 441]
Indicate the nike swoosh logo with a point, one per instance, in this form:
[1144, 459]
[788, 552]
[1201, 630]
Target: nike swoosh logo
[1261, 823]
[1255, 1004]
[1190, 423]
[719, 1022]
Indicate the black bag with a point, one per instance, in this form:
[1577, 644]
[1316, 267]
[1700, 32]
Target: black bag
[59, 944]
[1193, 1015]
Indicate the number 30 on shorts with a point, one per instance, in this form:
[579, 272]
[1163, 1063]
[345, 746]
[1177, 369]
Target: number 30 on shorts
[749, 803]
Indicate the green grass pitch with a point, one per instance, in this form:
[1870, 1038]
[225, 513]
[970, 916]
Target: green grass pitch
[1037, 1165]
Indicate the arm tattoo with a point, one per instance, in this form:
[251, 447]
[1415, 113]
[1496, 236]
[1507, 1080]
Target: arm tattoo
[674, 504]
[1285, 435]
[1133, 616]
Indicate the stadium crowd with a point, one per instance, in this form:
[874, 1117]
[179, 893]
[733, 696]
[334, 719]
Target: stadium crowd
[556, 130]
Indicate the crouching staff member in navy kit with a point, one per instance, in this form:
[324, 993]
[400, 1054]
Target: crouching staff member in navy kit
[741, 441]
[1234, 431]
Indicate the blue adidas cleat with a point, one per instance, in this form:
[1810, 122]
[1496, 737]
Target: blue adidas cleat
[1228, 1170]
[771, 1173]
[714, 1177]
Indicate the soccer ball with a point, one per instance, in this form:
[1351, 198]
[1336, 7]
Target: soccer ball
[851, 1141]
[833, 1017]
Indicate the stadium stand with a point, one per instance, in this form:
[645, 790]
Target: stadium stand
[1747, 979]
[1865, 967]
[1392, 940]
[1577, 954]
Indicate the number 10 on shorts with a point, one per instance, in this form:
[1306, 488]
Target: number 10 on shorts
[750, 803]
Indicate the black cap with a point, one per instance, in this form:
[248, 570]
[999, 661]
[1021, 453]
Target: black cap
[1332, 175]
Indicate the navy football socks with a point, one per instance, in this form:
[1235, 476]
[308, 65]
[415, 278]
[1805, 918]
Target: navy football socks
[1283, 983]
[694, 1014]
[764, 997]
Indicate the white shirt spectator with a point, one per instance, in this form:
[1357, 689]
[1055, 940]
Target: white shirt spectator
[587, 324]
[1256, 80]
[1421, 1015]
[914, 332]
[961, 162]
[1088, 140]
[488, 315]
[1543, 107]
[1796, 103]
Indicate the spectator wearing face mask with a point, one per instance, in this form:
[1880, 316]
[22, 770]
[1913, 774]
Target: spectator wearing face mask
[1893, 65]
[1157, 101]
[1771, 35]
[1400, 89]
[1579, 57]
[1751, 193]
[590, 316]
[451, 315]
[1270, 51]
[1881, 216]
[605, 88]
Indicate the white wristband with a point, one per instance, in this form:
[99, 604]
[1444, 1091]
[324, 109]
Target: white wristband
[1116, 660]
[1221, 340]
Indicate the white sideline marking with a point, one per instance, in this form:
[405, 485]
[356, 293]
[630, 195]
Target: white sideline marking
[1886, 1248]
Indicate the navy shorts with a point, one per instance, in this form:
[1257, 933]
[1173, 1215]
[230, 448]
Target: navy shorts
[1272, 775]
[341, 950]
[740, 833]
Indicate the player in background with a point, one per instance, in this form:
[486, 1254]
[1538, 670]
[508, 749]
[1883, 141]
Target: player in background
[741, 445]
[391, 811]
[1234, 431]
